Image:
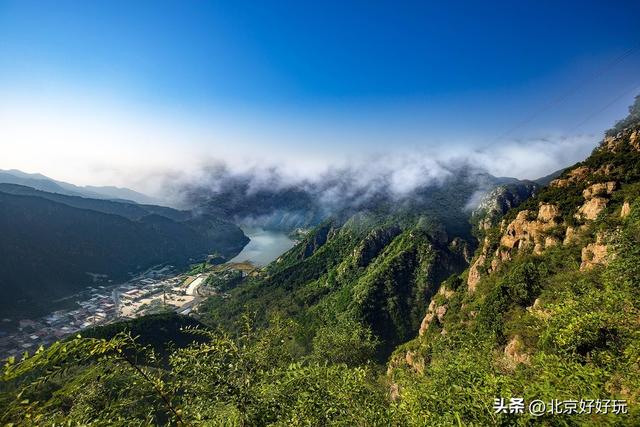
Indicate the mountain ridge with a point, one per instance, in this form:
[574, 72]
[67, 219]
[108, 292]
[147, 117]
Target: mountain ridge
[51, 242]
[44, 183]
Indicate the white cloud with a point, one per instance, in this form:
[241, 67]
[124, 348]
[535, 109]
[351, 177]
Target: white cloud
[534, 158]
[76, 139]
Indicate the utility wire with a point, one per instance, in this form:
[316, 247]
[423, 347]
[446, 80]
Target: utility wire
[605, 107]
[571, 91]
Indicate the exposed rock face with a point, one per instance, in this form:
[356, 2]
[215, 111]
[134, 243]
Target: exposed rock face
[415, 362]
[428, 318]
[485, 223]
[548, 212]
[498, 201]
[550, 241]
[440, 312]
[579, 173]
[570, 235]
[616, 143]
[626, 209]
[514, 352]
[594, 254]
[435, 311]
[559, 183]
[634, 139]
[523, 233]
[373, 244]
[394, 392]
[537, 230]
[517, 230]
[529, 230]
[605, 169]
[575, 175]
[591, 208]
[595, 199]
[474, 270]
[599, 189]
[499, 257]
[445, 292]
[611, 143]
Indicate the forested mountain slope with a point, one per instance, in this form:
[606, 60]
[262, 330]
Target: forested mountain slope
[357, 325]
[50, 243]
[378, 267]
[549, 309]
[370, 271]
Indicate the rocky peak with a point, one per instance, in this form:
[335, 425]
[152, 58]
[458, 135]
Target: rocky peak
[499, 200]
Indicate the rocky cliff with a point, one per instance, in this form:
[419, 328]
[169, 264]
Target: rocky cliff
[549, 304]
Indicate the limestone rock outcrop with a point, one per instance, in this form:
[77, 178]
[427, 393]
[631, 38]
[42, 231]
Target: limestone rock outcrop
[572, 234]
[626, 209]
[523, 232]
[599, 189]
[575, 175]
[414, 361]
[435, 311]
[596, 200]
[616, 143]
[474, 270]
[514, 352]
[591, 208]
[594, 254]
[634, 139]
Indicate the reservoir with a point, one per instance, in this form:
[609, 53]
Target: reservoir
[265, 246]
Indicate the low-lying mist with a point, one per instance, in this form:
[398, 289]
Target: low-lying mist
[270, 197]
[256, 193]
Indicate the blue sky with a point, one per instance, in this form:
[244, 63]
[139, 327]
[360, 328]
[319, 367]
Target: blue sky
[108, 88]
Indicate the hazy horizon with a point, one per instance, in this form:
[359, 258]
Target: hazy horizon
[95, 94]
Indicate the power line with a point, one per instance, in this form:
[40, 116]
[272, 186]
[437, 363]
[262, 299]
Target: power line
[571, 91]
[634, 88]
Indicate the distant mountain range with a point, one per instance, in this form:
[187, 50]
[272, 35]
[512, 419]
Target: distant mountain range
[57, 236]
[44, 183]
[449, 200]
[52, 244]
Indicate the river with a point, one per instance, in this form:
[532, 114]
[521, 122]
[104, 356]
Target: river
[265, 246]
